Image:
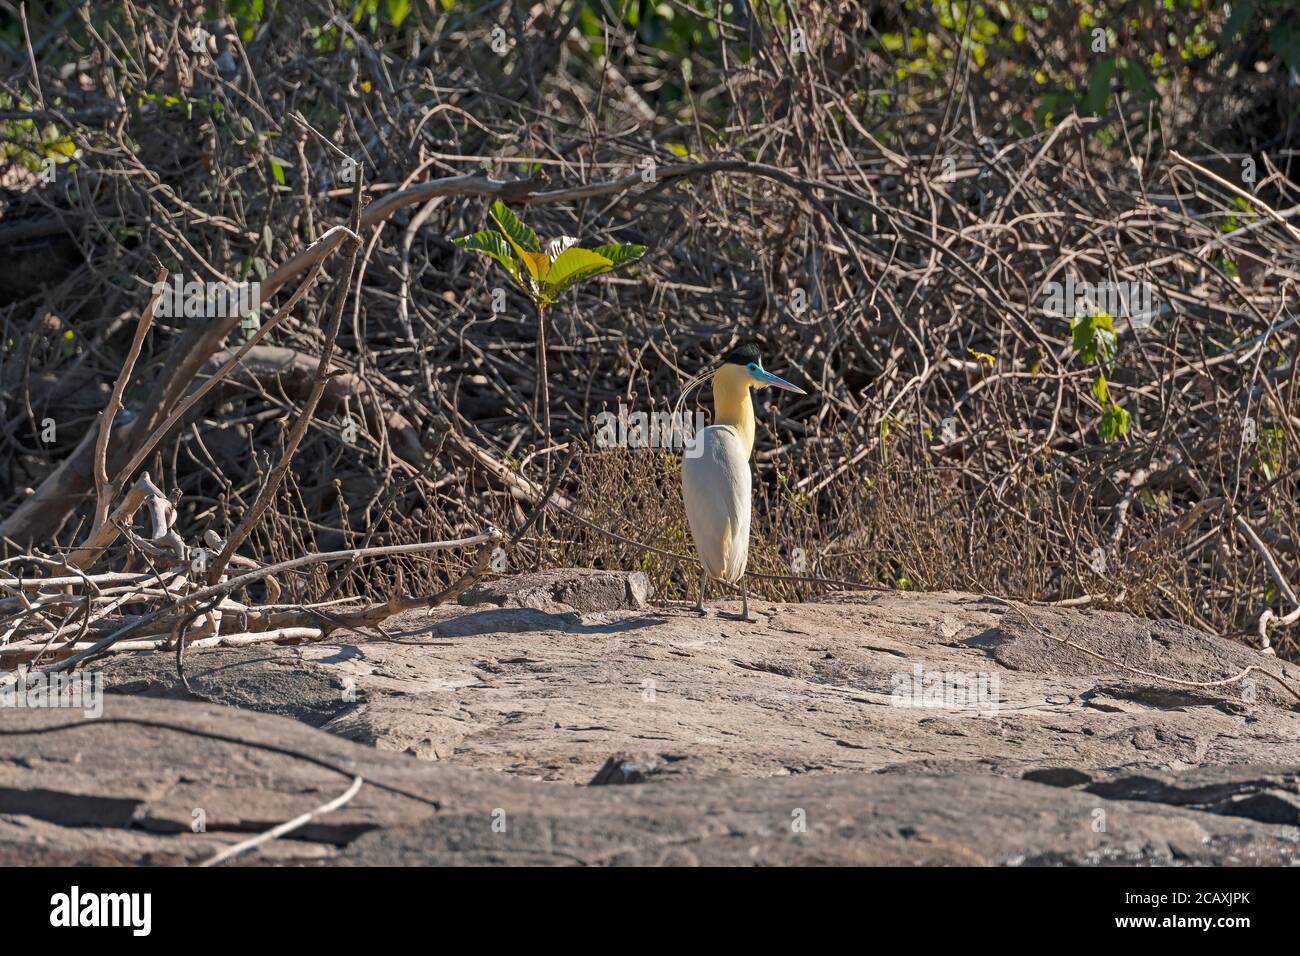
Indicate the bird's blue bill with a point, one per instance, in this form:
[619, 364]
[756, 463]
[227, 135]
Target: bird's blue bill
[767, 378]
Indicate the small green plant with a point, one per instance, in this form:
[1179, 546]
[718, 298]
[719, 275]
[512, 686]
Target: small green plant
[25, 143]
[1093, 339]
[543, 273]
[1267, 459]
[1114, 420]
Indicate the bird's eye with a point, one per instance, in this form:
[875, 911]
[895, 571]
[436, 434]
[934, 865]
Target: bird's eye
[753, 366]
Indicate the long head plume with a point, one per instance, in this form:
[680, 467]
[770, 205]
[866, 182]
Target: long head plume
[693, 383]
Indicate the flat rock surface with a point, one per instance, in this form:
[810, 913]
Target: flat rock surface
[564, 718]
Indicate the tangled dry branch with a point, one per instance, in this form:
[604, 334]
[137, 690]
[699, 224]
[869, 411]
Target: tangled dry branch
[901, 253]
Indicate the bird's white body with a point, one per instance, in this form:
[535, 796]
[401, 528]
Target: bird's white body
[716, 486]
[716, 483]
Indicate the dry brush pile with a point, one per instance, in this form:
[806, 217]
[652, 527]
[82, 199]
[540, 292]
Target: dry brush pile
[352, 451]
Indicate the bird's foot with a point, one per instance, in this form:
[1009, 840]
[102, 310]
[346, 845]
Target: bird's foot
[701, 610]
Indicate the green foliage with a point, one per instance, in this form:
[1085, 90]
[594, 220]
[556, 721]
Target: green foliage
[1114, 422]
[514, 228]
[247, 15]
[1267, 459]
[1233, 222]
[572, 266]
[1097, 99]
[1093, 341]
[1150, 50]
[1101, 389]
[27, 144]
[397, 11]
[491, 244]
[544, 274]
[1093, 338]
[620, 255]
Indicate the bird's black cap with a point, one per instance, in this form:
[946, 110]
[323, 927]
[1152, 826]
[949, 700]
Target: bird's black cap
[743, 356]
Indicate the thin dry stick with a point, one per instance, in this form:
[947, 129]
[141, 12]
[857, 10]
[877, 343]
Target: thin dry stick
[376, 613]
[1135, 670]
[286, 827]
[267, 493]
[105, 491]
[161, 431]
[1233, 187]
[285, 635]
[1279, 579]
[107, 533]
[225, 587]
[543, 391]
[791, 578]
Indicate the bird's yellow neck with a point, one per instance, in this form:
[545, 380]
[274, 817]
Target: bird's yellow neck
[732, 405]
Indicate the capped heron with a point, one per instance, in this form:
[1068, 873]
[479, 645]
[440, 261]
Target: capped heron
[715, 472]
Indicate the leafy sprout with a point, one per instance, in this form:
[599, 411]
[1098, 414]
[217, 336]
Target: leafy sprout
[1267, 459]
[1092, 337]
[544, 272]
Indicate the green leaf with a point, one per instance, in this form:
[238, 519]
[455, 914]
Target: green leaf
[1098, 96]
[1114, 422]
[538, 264]
[63, 147]
[620, 254]
[247, 14]
[278, 172]
[397, 10]
[554, 290]
[520, 236]
[1099, 390]
[491, 244]
[1267, 459]
[574, 264]
[524, 241]
[1093, 337]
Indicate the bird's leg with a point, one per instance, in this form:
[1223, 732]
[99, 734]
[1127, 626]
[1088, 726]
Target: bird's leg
[744, 601]
[704, 583]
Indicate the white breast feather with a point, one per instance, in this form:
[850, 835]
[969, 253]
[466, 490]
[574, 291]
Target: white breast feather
[716, 486]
